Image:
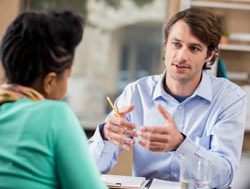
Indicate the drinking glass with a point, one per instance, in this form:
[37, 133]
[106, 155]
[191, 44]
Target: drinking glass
[195, 172]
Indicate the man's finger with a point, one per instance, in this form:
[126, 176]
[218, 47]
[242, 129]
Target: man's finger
[154, 129]
[119, 122]
[164, 112]
[126, 110]
[154, 137]
[130, 132]
[119, 139]
[155, 146]
[127, 124]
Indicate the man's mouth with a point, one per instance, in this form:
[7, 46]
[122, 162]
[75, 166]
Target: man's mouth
[181, 66]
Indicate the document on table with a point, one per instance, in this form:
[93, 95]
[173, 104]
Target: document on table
[118, 181]
[162, 184]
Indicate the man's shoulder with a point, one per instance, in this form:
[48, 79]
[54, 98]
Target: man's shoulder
[145, 85]
[226, 86]
[148, 81]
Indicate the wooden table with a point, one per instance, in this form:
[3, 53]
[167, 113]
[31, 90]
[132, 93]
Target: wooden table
[246, 142]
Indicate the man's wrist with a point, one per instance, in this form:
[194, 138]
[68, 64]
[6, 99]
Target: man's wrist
[101, 129]
[180, 138]
[183, 135]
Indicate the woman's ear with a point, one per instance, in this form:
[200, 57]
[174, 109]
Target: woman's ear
[49, 82]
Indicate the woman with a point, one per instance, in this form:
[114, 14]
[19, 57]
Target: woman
[42, 144]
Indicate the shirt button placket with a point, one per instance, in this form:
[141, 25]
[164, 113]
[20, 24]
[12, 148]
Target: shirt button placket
[179, 116]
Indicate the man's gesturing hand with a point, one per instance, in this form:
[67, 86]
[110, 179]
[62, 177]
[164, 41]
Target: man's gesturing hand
[120, 131]
[161, 138]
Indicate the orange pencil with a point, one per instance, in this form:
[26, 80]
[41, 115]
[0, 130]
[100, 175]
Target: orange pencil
[113, 107]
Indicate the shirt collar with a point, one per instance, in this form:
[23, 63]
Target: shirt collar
[204, 90]
[159, 89]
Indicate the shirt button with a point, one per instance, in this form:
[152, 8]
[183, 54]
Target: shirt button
[174, 175]
[180, 107]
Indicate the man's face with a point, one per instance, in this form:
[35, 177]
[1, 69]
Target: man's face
[185, 54]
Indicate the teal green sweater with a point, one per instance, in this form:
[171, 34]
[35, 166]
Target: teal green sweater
[42, 146]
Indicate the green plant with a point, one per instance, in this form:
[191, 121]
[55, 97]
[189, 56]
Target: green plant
[225, 33]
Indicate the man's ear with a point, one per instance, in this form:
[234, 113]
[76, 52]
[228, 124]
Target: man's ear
[49, 82]
[210, 56]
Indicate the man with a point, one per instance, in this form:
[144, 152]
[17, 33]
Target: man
[183, 112]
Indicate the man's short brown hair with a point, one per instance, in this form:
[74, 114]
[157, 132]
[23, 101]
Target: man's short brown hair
[204, 25]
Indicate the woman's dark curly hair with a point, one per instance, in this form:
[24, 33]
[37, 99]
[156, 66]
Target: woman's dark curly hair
[37, 43]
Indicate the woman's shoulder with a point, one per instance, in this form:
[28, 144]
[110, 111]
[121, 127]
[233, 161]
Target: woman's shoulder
[47, 107]
[52, 113]
[53, 104]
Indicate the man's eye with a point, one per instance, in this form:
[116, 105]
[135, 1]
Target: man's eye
[176, 44]
[194, 49]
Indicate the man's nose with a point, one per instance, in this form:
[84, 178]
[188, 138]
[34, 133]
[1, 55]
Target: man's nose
[182, 55]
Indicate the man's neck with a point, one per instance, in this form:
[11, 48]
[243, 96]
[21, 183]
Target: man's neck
[179, 88]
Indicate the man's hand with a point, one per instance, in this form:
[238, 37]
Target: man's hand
[161, 138]
[120, 131]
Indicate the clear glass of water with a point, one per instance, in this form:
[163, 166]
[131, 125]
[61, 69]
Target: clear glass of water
[195, 172]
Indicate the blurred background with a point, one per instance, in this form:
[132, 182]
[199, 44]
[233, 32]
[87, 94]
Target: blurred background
[123, 41]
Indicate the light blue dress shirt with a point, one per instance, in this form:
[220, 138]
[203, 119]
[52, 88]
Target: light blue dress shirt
[212, 118]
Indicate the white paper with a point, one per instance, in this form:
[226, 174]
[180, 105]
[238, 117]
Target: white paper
[122, 181]
[161, 184]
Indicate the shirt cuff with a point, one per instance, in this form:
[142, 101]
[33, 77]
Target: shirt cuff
[187, 147]
[101, 129]
[98, 146]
